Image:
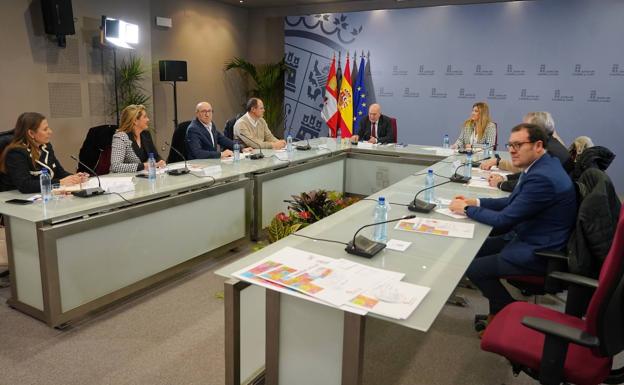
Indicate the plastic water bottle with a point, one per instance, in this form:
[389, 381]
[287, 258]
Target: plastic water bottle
[445, 142]
[151, 168]
[486, 150]
[236, 151]
[468, 166]
[381, 215]
[338, 138]
[289, 146]
[45, 182]
[429, 182]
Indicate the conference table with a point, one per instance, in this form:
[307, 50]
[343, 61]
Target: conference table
[73, 256]
[290, 340]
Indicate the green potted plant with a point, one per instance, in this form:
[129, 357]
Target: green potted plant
[129, 82]
[269, 86]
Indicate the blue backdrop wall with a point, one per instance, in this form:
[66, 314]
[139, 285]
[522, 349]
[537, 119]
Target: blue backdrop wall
[429, 65]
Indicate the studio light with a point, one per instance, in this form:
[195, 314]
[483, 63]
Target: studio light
[119, 33]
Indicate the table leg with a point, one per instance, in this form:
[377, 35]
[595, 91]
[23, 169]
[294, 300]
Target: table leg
[272, 337]
[232, 289]
[353, 349]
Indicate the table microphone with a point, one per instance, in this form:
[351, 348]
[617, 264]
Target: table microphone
[178, 171]
[259, 155]
[365, 247]
[90, 191]
[304, 147]
[456, 178]
[421, 206]
[478, 162]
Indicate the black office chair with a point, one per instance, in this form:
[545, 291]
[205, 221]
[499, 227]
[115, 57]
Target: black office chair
[228, 130]
[178, 141]
[96, 149]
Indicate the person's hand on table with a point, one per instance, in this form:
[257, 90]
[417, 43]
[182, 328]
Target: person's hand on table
[226, 154]
[488, 164]
[248, 149]
[495, 179]
[372, 140]
[355, 138]
[279, 144]
[161, 163]
[71, 180]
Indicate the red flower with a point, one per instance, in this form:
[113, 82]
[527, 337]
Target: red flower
[282, 217]
[304, 215]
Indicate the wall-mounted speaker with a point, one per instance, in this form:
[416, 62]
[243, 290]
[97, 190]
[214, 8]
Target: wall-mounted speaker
[172, 70]
[58, 17]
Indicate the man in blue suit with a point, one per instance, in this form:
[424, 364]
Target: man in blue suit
[539, 214]
[203, 138]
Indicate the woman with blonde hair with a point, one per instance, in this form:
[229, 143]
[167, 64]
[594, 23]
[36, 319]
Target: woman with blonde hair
[132, 143]
[478, 128]
[29, 152]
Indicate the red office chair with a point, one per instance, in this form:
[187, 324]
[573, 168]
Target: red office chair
[393, 124]
[588, 253]
[554, 347]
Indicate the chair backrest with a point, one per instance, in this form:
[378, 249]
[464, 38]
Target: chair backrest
[5, 138]
[97, 142]
[393, 124]
[495, 144]
[604, 315]
[178, 141]
[228, 130]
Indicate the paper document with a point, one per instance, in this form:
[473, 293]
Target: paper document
[395, 244]
[437, 227]
[448, 212]
[293, 257]
[365, 145]
[394, 299]
[480, 183]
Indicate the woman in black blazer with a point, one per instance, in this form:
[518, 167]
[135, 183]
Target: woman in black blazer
[28, 153]
[132, 143]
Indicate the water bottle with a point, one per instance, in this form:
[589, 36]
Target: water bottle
[45, 182]
[468, 166]
[289, 146]
[338, 138]
[151, 168]
[446, 142]
[486, 150]
[236, 151]
[381, 215]
[429, 182]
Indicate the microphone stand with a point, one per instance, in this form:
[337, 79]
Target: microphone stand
[456, 178]
[178, 171]
[421, 206]
[364, 247]
[259, 155]
[90, 191]
[304, 147]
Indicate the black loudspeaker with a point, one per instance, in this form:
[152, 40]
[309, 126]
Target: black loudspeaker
[58, 17]
[172, 70]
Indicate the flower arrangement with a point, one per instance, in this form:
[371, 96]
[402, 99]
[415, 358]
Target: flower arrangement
[305, 209]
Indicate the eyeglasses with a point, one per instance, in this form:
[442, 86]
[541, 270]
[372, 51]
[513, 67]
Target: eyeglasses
[516, 146]
[205, 111]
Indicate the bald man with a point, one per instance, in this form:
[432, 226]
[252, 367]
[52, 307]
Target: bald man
[203, 140]
[375, 128]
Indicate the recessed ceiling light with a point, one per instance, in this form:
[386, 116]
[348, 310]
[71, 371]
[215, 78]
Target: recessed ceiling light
[241, 1]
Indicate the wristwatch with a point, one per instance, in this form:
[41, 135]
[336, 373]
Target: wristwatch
[466, 209]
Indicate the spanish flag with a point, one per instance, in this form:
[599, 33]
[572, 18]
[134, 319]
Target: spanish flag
[345, 103]
[330, 108]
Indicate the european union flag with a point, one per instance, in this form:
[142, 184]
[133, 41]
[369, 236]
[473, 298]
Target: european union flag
[360, 105]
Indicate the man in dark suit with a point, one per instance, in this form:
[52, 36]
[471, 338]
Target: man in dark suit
[539, 214]
[203, 138]
[375, 128]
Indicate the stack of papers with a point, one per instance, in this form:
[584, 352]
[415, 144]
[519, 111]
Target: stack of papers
[341, 283]
[437, 227]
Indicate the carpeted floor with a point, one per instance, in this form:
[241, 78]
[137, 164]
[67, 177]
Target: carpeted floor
[174, 335]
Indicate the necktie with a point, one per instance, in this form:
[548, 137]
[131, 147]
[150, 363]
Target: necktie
[374, 130]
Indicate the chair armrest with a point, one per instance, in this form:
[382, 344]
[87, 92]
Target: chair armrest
[554, 254]
[574, 278]
[567, 333]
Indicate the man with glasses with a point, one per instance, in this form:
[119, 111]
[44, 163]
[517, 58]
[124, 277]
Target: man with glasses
[375, 128]
[203, 139]
[539, 214]
[253, 130]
